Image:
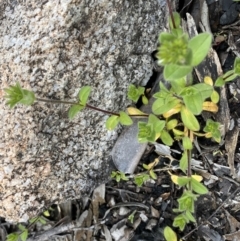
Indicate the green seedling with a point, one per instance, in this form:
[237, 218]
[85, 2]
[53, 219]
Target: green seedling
[118, 176]
[131, 216]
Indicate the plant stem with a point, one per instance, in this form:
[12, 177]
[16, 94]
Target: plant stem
[76, 103]
[101, 110]
[56, 101]
[171, 13]
[87, 106]
[189, 157]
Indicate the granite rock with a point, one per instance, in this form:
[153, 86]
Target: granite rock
[54, 48]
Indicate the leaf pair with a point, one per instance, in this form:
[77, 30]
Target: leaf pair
[21, 235]
[83, 96]
[118, 176]
[230, 75]
[123, 119]
[150, 167]
[194, 182]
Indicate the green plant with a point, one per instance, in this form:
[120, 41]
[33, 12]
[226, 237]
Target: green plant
[22, 233]
[139, 178]
[174, 114]
[118, 176]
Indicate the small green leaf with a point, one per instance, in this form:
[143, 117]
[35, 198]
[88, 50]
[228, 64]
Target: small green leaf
[161, 106]
[189, 120]
[178, 132]
[140, 179]
[33, 220]
[178, 85]
[219, 82]
[177, 21]
[190, 216]
[145, 166]
[172, 124]
[179, 222]
[237, 66]
[113, 174]
[164, 36]
[46, 213]
[204, 89]
[21, 227]
[84, 94]
[112, 122]
[187, 144]
[229, 76]
[166, 138]
[198, 187]
[182, 181]
[24, 235]
[125, 119]
[73, 111]
[144, 100]
[200, 46]
[123, 176]
[158, 125]
[175, 71]
[12, 237]
[192, 99]
[215, 97]
[152, 174]
[169, 234]
[42, 220]
[184, 161]
[118, 178]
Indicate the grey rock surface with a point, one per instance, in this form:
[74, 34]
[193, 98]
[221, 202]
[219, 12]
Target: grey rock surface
[54, 48]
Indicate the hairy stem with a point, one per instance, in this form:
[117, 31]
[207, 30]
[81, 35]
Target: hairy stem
[56, 101]
[87, 106]
[189, 155]
[76, 103]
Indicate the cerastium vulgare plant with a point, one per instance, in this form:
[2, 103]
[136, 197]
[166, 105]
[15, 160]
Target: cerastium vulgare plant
[174, 112]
